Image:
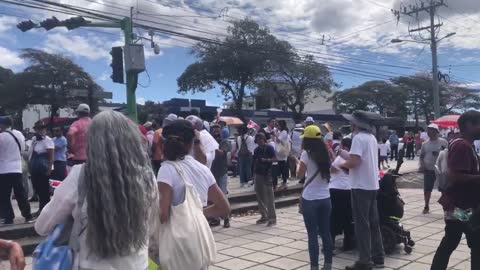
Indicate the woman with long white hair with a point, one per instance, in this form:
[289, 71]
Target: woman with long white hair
[113, 198]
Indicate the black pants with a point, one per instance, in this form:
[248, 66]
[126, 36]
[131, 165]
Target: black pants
[453, 235]
[59, 170]
[341, 219]
[399, 164]
[283, 170]
[393, 151]
[41, 184]
[410, 153]
[8, 182]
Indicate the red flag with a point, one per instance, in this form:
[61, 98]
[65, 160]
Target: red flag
[252, 124]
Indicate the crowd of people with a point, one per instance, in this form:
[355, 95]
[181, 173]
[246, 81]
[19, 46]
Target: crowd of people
[139, 187]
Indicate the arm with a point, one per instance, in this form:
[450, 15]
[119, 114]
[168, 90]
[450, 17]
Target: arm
[51, 159]
[71, 137]
[166, 195]
[421, 164]
[301, 169]
[352, 162]
[60, 208]
[13, 251]
[220, 206]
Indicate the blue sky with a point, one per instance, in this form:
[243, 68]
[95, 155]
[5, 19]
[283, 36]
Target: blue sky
[356, 39]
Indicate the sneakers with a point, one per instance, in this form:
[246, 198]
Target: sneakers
[271, 223]
[226, 223]
[261, 221]
[426, 210]
[358, 266]
[30, 220]
[378, 263]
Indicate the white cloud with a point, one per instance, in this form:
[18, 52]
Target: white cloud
[10, 59]
[141, 100]
[6, 23]
[76, 45]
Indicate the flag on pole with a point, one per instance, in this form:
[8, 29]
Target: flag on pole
[253, 125]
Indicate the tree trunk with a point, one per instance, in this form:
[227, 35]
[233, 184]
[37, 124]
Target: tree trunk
[297, 116]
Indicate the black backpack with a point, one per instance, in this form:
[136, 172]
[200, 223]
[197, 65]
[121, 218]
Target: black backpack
[243, 151]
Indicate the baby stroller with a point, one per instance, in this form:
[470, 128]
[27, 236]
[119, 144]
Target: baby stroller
[390, 210]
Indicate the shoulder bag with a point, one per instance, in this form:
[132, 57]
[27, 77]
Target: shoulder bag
[186, 241]
[308, 182]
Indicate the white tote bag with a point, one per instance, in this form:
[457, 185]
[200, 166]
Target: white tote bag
[186, 241]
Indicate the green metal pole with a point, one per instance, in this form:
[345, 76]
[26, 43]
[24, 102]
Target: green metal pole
[132, 78]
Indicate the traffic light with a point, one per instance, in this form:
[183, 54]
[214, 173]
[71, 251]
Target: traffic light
[50, 23]
[117, 64]
[26, 25]
[74, 22]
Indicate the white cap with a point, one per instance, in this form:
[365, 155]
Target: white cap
[434, 126]
[309, 119]
[148, 124]
[83, 108]
[298, 126]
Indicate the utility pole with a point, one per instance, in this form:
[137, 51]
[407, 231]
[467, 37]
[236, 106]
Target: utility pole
[431, 9]
[132, 77]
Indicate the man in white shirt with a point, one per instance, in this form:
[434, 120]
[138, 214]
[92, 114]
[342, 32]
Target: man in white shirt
[362, 163]
[207, 143]
[12, 145]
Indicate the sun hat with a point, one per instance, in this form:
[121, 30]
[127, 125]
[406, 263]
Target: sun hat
[312, 132]
[363, 119]
[309, 119]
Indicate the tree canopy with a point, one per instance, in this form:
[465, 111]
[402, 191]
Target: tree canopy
[46, 81]
[234, 64]
[296, 80]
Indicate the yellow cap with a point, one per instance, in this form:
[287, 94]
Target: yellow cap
[312, 132]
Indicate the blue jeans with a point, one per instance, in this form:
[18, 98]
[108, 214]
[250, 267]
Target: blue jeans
[245, 168]
[222, 183]
[316, 215]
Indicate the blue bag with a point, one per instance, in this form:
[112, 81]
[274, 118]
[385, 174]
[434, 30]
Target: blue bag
[51, 254]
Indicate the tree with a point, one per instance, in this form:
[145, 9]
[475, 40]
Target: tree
[234, 64]
[47, 81]
[296, 81]
[376, 96]
[151, 111]
[460, 99]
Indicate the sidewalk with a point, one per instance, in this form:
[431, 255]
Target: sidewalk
[248, 246]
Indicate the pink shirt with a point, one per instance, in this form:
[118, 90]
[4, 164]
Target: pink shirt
[78, 130]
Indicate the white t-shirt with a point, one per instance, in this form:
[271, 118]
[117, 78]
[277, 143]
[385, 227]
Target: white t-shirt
[209, 145]
[365, 175]
[42, 146]
[424, 136]
[340, 180]
[383, 149]
[318, 188]
[10, 154]
[195, 173]
[282, 136]
[249, 140]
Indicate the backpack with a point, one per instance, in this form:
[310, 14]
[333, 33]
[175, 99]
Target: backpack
[243, 151]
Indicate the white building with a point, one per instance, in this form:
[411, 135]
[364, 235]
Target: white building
[34, 112]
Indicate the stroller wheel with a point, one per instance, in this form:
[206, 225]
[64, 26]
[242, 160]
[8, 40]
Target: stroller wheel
[408, 249]
[411, 243]
[389, 239]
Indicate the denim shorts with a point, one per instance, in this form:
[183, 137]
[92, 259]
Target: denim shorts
[429, 178]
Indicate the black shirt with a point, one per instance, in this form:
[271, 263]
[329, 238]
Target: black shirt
[262, 167]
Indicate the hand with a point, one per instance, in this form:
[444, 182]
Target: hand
[17, 259]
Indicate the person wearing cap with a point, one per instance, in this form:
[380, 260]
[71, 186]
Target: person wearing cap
[362, 164]
[309, 121]
[205, 145]
[12, 145]
[41, 158]
[77, 134]
[157, 143]
[315, 199]
[428, 158]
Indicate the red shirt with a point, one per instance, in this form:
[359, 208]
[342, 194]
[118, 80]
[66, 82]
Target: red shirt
[462, 158]
[78, 130]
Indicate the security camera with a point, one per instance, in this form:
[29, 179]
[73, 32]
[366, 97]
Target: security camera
[156, 49]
